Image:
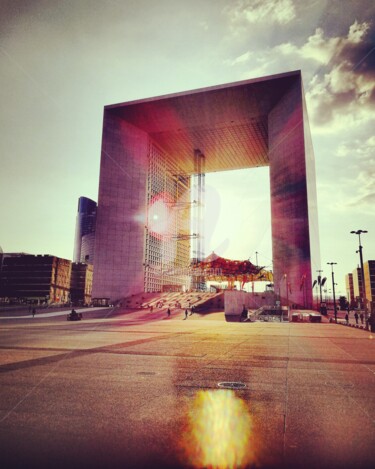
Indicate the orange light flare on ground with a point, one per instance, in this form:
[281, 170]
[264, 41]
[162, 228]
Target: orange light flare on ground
[219, 431]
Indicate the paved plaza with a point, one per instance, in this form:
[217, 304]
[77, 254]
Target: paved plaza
[139, 389]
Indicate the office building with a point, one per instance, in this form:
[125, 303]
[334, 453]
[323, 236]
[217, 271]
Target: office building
[151, 150]
[349, 288]
[40, 279]
[369, 274]
[85, 231]
[357, 285]
[81, 284]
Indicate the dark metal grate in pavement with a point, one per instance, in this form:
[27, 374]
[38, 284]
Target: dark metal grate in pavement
[231, 385]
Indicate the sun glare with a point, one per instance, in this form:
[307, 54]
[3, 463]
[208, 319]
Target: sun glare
[160, 216]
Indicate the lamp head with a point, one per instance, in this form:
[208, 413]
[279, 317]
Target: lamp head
[358, 232]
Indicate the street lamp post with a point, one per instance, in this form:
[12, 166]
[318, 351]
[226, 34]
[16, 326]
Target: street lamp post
[333, 289]
[363, 292]
[320, 287]
[284, 277]
[287, 294]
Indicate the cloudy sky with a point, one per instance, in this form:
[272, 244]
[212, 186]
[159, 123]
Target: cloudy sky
[63, 60]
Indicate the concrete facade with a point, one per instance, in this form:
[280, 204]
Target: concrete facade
[119, 243]
[259, 122]
[235, 301]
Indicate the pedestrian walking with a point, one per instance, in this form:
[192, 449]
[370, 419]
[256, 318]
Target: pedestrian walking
[186, 314]
[168, 312]
[362, 316]
[347, 318]
[151, 309]
[33, 312]
[356, 317]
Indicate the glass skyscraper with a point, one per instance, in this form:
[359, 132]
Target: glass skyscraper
[85, 231]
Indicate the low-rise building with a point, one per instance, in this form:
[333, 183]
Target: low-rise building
[35, 278]
[349, 288]
[369, 274]
[81, 283]
[357, 286]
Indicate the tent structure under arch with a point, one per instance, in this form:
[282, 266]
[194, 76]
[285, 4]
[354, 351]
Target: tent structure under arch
[216, 268]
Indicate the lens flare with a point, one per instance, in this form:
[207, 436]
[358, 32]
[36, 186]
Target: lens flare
[160, 215]
[219, 431]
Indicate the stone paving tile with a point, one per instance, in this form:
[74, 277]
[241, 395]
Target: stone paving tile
[117, 392]
[320, 428]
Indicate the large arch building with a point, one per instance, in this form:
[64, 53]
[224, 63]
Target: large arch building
[149, 152]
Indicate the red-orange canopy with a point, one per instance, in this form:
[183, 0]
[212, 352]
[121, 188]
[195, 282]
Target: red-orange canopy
[218, 268]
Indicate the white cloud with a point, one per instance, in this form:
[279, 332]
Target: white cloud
[318, 47]
[268, 61]
[342, 151]
[364, 198]
[242, 58]
[262, 11]
[341, 92]
[204, 25]
[359, 158]
[340, 99]
[343, 95]
[357, 31]
[361, 150]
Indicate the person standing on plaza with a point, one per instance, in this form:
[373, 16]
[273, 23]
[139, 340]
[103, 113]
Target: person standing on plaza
[356, 317]
[347, 318]
[168, 312]
[186, 314]
[33, 312]
[362, 316]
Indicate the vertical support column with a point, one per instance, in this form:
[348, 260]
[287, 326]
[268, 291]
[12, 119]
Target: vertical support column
[198, 215]
[291, 233]
[119, 240]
